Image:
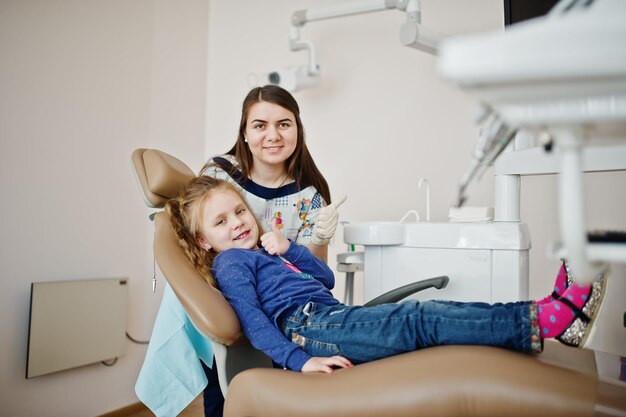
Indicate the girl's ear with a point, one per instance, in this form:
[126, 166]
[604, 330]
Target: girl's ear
[203, 244]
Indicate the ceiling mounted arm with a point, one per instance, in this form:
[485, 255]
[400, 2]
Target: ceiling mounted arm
[301, 17]
[412, 34]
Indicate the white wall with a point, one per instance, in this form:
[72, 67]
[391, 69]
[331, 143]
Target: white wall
[382, 117]
[82, 84]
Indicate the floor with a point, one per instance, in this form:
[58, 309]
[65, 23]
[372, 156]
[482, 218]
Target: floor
[195, 409]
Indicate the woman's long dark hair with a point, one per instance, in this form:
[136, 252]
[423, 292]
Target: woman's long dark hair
[300, 165]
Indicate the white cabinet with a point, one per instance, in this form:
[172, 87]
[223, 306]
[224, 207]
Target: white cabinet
[484, 261]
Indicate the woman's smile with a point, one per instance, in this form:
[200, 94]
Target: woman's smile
[273, 148]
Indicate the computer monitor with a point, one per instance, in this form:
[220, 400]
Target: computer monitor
[519, 10]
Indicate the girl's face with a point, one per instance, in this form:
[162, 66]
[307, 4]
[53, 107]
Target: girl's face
[271, 132]
[227, 223]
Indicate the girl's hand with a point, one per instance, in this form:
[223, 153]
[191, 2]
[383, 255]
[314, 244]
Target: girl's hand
[274, 242]
[322, 364]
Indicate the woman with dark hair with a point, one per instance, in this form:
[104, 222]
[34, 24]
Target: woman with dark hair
[271, 166]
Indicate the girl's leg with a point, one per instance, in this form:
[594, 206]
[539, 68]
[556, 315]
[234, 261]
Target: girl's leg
[361, 334]
[367, 333]
[508, 325]
[364, 334]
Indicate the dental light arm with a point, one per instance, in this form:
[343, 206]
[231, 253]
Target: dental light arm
[412, 34]
[494, 137]
[296, 44]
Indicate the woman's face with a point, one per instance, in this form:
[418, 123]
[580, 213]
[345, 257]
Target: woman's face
[271, 132]
[227, 223]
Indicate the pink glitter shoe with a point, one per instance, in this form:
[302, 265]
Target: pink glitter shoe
[579, 332]
[563, 280]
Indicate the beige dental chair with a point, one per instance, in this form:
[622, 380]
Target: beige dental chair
[440, 381]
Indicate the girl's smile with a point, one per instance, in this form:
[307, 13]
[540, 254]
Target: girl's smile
[244, 235]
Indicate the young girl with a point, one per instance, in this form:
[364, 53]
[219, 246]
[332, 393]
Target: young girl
[281, 294]
[271, 166]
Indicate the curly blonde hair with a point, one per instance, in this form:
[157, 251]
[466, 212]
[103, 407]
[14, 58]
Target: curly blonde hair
[185, 212]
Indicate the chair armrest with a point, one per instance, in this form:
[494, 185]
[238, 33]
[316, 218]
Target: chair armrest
[231, 360]
[404, 291]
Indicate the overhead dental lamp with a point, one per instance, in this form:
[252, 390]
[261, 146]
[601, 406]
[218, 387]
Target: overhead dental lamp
[412, 34]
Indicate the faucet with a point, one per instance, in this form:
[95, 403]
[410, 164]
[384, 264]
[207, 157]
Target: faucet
[419, 185]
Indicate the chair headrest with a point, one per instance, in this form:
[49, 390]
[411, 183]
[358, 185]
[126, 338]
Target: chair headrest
[160, 175]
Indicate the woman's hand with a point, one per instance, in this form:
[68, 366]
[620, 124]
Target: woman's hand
[326, 223]
[274, 242]
[323, 364]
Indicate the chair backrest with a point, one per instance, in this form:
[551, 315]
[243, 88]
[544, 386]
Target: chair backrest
[160, 177]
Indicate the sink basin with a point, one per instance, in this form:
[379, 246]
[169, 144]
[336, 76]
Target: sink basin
[488, 235]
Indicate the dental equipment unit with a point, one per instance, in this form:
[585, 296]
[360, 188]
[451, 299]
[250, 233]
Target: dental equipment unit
[564, 73]
[412, 34]
[561, 72]
[494, 136]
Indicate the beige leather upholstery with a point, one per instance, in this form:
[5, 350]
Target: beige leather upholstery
[441, 381]
[160, 175]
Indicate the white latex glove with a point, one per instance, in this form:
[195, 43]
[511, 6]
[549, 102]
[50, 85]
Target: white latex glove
[326, 223]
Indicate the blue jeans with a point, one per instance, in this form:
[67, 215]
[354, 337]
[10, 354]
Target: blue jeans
[364, 334]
